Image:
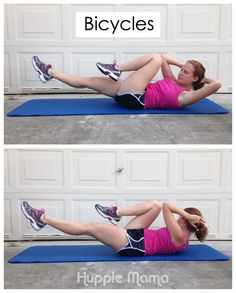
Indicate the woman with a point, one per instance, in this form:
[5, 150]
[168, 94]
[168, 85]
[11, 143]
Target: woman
[136, 239]
[137, 91]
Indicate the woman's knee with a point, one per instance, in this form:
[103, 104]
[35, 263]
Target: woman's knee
[90, 227]
[157, 58]
[156, 204]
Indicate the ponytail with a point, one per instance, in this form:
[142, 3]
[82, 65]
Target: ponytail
[200, 230]
[197, 85]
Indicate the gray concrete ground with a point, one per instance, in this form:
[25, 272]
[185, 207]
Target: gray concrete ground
[117, 129]
[115, 275]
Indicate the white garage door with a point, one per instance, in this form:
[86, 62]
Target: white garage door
[68, 183]
[201, 32]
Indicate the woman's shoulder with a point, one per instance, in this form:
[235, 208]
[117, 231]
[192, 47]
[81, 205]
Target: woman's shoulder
[183, 243]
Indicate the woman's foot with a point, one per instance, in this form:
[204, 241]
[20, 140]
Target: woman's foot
[110, 69]
[35, 216]
[109, 213]
[42, 69]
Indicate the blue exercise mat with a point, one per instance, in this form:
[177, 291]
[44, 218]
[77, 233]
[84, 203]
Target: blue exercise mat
[103, 106]
[103, 253]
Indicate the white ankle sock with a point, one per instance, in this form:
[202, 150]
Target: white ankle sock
[42, 218]
[49, 71]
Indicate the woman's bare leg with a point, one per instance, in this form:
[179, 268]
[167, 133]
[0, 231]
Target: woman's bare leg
[145, 68]
[107, 234]
[137, 63]
[103, 85]
[145, 214]
[138, 80]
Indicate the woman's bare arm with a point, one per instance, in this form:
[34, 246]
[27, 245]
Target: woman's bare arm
[174, 228]
[167, 61]
[172, 60]
[211, 86]
[176, 232]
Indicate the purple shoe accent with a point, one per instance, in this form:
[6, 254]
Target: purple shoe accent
[110, 69]
[42, 69]
[109, 213]
[33, 215]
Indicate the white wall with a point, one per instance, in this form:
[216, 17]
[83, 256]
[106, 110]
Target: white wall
[68, 182]
[201, 32]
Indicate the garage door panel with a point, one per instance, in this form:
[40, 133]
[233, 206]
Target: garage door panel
[6, 169]
[42, 22]
[199, 169]
[188, 24]
[8, 231]
[6, 28]
[228, 222]
[227, 18]
[228, 72]
[92, 171]
[149, 170]
[39, 169]
[7, 72]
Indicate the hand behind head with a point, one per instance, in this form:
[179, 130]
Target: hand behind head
[195, 219]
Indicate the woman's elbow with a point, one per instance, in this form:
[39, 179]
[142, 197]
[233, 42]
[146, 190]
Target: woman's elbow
[165, 205]
[217, 85]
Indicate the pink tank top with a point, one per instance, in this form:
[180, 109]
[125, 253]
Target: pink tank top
[158, 241]
[163, 94]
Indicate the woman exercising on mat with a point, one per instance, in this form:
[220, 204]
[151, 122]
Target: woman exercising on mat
[135, 239]
[137, 91]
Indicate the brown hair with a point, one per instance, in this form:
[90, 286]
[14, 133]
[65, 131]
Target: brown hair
[199, 71]
[201, 230]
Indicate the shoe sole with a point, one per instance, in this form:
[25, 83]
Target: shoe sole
[106, 217]
[41, 75]
[32, 221]
[107, 72]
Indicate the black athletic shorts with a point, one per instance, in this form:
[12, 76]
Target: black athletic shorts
[135, 245]
[131, 100]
